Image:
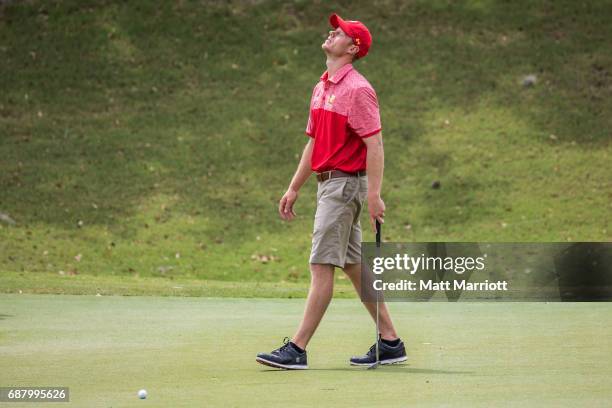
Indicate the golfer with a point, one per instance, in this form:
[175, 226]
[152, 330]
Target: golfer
[344, 140]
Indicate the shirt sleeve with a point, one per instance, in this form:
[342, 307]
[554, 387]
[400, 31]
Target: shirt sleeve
[310, 126]
[364, 116]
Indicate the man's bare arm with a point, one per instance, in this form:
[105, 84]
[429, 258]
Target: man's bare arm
[375, 166]
[303, 171]
[285, 206]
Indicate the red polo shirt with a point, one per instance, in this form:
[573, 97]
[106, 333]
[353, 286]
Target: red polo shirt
[343, 110]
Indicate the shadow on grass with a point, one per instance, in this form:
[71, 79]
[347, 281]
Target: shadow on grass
[385, 369]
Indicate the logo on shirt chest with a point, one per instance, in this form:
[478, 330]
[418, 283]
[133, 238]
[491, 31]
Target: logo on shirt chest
[330, 100]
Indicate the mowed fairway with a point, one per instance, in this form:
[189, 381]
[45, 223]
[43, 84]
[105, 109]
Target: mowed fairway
[201, 352]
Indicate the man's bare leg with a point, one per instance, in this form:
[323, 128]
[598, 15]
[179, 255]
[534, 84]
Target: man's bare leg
[319, 296]
[385, 325]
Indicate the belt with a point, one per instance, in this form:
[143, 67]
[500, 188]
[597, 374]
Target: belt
[326, 175]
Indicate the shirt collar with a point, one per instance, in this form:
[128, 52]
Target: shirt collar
[341, 73]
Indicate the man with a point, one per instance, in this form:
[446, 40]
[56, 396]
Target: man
[344, 129]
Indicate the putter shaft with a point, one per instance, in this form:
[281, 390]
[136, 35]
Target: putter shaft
[378, 239]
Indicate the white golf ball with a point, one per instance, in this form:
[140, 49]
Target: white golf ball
[142, 394]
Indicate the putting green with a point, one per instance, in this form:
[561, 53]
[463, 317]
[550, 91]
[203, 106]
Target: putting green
[201, 352]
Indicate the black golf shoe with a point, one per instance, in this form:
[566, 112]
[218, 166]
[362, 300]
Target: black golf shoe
[387, 354]
[286, 356]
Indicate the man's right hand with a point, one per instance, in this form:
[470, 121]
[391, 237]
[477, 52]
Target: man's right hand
[285, 206]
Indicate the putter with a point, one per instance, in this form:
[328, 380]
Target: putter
[377, 362]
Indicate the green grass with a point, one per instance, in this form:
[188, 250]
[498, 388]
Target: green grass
[152, 139]
[200, 352]
[117, 285]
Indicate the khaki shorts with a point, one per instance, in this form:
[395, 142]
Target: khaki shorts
[336, 238]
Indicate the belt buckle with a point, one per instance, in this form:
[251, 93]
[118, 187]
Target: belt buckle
[321, 176]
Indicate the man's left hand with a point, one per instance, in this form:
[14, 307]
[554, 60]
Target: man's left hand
[376, 206]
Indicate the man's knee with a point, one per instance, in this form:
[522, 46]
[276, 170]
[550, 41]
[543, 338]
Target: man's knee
[322, 271]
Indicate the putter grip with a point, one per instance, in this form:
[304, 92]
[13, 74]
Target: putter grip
[378, 230]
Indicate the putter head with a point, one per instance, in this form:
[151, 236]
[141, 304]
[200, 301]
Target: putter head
[374, 366]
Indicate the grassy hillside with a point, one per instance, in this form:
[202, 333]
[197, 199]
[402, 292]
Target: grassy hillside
[155, 138]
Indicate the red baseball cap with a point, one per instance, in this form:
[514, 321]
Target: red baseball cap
[356, 30]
